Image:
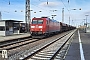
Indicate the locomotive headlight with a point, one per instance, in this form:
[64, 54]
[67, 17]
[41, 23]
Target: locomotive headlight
[32, 26]
[40, 26]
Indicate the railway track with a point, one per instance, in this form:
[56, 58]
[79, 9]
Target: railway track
[18, 44]
[50, 50]
[16, 47]
[24, 49]
[4, 44]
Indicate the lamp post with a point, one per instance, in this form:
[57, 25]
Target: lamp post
[86, 23]
[86, 19]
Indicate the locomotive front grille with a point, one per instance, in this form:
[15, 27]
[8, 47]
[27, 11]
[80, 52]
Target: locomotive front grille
[37, 33]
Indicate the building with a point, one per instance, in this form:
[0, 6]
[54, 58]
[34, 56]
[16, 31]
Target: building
[19, 28]
[9, 27]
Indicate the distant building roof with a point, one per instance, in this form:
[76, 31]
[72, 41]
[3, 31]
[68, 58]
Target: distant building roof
[11, 20]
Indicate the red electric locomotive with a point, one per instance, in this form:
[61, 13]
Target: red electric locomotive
[44, 26]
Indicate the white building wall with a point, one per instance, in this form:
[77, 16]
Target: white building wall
[2, 23]
[2, 33]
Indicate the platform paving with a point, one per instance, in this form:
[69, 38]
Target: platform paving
[85, 37]
[74, 50]
[15, 36]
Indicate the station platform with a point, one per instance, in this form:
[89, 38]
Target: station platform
[15, 36]
[80, 47]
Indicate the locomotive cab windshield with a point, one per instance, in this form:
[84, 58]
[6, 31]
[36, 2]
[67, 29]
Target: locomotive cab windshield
[37, 27]
[37, 22]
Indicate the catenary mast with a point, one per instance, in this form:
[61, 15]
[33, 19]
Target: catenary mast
[27, 15]
[0, 16]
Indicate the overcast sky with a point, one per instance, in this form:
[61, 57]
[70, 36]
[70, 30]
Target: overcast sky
[11, 9]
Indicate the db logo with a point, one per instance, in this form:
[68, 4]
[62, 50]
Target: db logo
[36, 26]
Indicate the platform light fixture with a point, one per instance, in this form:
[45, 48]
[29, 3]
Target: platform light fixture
[86, 23]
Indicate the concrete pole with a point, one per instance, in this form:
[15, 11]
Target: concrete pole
[69, 20]
[86, 23]
[62, 14]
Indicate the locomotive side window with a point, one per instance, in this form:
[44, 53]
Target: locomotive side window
[47, 22]
[37, 22]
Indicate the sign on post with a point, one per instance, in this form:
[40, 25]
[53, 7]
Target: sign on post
[4, 54]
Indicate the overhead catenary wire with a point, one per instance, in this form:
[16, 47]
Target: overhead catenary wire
[65, 6]
[68, 9]
[41, 8]
[63, 11]
[16, 10]
[9, 3]
[68, 1]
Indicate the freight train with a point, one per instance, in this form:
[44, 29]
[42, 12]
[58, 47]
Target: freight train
[44, 26]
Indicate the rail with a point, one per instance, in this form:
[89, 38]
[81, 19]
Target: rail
[42, 48]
